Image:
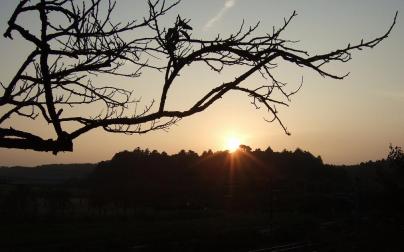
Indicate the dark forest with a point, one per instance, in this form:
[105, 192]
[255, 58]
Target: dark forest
[248, 199]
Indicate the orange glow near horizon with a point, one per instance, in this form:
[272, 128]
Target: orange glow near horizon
[348, 133]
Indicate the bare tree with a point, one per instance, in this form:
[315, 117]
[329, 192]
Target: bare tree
[77, 41]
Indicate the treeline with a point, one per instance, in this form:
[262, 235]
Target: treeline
[246, 180]
[53, 173]
[143, 181]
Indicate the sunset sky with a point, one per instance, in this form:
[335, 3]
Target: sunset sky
[344, 121]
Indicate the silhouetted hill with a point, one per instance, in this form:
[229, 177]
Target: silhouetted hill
[241, 180]
[44, 173]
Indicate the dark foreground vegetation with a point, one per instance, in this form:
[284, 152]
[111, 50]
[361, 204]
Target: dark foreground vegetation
[242, 201]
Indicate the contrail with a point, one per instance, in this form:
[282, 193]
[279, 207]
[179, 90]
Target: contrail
[227, 5]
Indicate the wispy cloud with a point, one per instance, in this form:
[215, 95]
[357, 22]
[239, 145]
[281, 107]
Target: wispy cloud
[227, 5]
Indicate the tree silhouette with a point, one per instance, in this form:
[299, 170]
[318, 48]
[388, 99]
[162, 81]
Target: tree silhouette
[77, 41]
[396, 160]
[396, 154]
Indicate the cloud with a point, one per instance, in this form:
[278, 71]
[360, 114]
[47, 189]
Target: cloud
[227, 5]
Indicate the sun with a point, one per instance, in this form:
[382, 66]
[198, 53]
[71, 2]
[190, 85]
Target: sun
[232, 144]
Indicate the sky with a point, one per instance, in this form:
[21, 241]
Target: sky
[343, 121]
